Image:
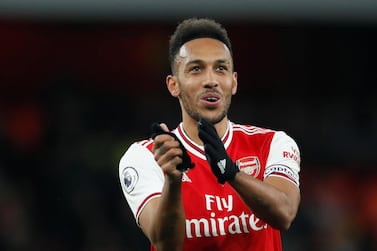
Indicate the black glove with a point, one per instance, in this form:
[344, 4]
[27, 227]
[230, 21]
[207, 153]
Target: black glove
[186, 160]
[221, 164]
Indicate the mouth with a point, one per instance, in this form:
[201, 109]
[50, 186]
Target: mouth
[210, 98]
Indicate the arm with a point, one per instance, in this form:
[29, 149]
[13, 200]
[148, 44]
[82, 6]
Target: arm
[274, 200]
[163, 219]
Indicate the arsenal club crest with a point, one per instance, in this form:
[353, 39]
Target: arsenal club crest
[250, 165]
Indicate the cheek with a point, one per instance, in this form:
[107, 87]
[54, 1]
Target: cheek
[229, 89]
[188, 89]
[186, 94]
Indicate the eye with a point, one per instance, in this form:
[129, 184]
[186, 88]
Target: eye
[221, 68]
[195, 69]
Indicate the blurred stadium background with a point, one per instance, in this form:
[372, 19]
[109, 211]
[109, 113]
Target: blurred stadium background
[81, 80]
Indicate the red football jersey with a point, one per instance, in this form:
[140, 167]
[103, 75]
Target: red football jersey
[216, 217]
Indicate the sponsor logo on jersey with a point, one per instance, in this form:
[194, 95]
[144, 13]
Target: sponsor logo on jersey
[222, 220]
[250, 165]
[283, 171]
[292, 154]
[220, 226]
[130, 178]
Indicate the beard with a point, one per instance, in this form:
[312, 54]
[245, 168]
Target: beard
[194, 113]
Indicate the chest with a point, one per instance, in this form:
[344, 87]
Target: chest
[203, 196]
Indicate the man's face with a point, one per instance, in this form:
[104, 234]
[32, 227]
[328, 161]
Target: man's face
[205, 79]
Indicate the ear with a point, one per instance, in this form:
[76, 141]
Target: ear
[235, 83]
[173, 86]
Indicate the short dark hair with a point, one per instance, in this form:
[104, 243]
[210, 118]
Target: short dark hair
[194, 28]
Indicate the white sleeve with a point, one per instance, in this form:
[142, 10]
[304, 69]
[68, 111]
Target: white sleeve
[141, 177]
[284, 158]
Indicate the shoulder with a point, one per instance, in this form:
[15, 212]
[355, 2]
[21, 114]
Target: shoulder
[270, 138]
[247, 129]
[142, 144]
[137, 151]
[282, 140]
[146, 143]
[250, 129]
[252, 132]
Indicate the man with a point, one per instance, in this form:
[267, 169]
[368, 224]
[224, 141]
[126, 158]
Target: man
[210, 184]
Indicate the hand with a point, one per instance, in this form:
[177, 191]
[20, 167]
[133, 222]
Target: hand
[186, 160]
[221, 164]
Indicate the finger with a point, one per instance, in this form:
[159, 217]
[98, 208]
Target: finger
[168, 156]
[158, 129]
[162, 143]
[204, 125]
[170, 168]
[211, 151]
[170, 159]
[164, 127]
[203, 135]
[208, 138]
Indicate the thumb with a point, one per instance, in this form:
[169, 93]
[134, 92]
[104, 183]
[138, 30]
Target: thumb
[164, 127]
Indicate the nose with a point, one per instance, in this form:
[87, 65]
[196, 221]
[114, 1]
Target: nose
[210, 79]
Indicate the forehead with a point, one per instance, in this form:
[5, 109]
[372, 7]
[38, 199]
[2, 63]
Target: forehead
[203, 49]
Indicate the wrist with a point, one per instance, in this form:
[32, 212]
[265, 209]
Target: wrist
[174, 178]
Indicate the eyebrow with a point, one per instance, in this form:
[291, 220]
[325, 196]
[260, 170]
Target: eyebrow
[200, 61]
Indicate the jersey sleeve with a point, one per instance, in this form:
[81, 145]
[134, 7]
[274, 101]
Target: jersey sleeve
[140, 176]
[283, 159]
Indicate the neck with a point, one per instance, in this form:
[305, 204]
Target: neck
[190, 126]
